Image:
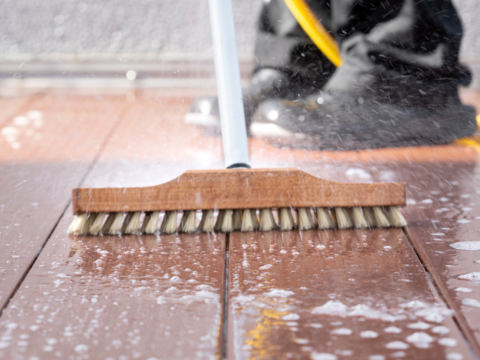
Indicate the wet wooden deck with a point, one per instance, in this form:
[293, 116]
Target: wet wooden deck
[351, 294]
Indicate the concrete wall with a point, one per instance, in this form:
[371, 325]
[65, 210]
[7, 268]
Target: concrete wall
[119, 30]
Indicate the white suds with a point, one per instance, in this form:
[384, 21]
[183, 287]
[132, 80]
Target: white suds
[466, 245]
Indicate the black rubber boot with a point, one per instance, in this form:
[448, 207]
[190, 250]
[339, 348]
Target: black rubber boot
[367, 105]
[398, 85]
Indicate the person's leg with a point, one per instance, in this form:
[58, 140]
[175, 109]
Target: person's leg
[398, 84]
[287, 64]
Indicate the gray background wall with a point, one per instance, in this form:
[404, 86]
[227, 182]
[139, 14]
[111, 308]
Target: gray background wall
[120, 30]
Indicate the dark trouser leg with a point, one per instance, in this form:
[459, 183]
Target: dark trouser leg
[418, 38]
[398, 85]
[282, 44]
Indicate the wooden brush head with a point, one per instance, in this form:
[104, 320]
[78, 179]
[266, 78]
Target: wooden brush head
[238, 189]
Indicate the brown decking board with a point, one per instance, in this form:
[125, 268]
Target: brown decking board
[39, 173]
[444, 227]
[153, 145]
[138, 297]
[333, 295]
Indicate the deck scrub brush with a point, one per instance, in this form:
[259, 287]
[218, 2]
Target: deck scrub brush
[243, 198]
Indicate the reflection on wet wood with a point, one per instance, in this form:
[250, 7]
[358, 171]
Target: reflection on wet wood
[36, 181]
[333, 294]
[444, 218]
[138, 297]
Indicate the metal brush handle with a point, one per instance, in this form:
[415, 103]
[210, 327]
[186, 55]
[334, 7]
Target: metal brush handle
[232, 113]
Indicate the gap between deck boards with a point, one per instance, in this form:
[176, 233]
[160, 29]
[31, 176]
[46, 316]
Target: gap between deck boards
[429, 271]
[103, 145]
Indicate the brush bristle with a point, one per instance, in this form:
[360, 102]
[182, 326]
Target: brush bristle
[344, 221]
[237, 220]
[369, 218]
[97, 224]
[188, 222]
[87, 224]
[256, 223]
[150, 223]
[227, 221]
[247, 220]
[324, 219]
[116, 227]
[126, 220]
[218, 223]
[233, 220]
[206, 223]
[169, 223]
[133, 223]
[77, 224]
[395, 216]
[267, 221]
[286, 219]
[305, 220]
[380, 219]
[358, 218]
[107, 224]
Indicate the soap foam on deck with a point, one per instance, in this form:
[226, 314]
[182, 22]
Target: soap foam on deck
[433, 313]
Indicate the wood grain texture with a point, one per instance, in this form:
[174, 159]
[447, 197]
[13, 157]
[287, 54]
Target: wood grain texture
[38, 174]
[239, 189]
[335, 295]
[444, 226]
[129, 297]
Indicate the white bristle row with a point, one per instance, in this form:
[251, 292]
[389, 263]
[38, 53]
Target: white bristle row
[130, 223]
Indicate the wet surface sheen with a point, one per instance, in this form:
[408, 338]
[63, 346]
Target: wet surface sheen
[137, 297]
[335, 294]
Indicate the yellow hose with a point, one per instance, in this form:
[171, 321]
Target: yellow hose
[315, 30]
[329, 47]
